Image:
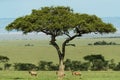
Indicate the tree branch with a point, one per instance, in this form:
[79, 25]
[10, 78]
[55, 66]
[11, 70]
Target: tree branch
[67, 41]
[68, 35]
[46, 32]
[52, 42]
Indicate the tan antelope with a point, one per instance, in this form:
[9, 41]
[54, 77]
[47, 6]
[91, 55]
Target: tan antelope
[33, 73]
[77, 73]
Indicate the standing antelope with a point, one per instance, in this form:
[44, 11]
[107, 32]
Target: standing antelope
[33, 73]
[77, 73]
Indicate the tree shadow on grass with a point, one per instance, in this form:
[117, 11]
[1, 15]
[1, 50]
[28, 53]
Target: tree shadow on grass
[17, 78]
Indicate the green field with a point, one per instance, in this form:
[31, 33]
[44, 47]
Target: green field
[41, 50]
[50, 75]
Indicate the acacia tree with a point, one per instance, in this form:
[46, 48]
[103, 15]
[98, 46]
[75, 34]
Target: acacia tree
[58, 21]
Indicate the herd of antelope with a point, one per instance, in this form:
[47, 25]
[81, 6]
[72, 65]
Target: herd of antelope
[74, 73]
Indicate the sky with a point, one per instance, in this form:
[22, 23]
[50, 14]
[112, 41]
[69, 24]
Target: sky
[101, 8]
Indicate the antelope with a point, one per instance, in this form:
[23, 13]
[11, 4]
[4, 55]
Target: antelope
[33, 73]
[77, 73]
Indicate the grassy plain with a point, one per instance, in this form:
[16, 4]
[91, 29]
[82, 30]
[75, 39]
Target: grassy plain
[41, 50]
[50, 75]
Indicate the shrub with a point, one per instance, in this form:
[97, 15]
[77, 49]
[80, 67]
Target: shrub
[4, 59]
[68, 64]
[112, 64]
[99, 65]
[1, 68]
[7, 66]
[76, 65]
[47, 66]
[103, 43]
[98, 62]
[24, 66]
[117, 68]
[84, 66]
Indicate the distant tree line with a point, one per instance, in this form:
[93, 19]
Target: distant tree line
[92, 62]
[103, 43]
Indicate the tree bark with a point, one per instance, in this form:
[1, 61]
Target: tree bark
[61, 54]
[61, 73]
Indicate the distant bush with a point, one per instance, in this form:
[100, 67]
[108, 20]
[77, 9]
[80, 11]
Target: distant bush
[1, 68]
[103, 43]
[117, 67]
[99, 65]
[47, 66]
[98, 62]
[24, 66]
[76, 65]
[84, 66]
[29, 44]
[112, 64]
[4, 59]
[69, 65]
[7, 66]
[95, 62]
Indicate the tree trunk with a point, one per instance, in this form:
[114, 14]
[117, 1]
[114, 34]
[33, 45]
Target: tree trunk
[60, 72]
[61, 54]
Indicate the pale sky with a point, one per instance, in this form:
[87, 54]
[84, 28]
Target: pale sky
[101, 8]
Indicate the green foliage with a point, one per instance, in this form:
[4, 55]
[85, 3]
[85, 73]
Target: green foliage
[47, 66]
[92, 58]
[68, 64]
[4, 59]
[99, 65]
[104, 43]
[98, 62]
[59, 20]
[24, 66]
[112, 64]
[7, 66]
[117, 67]
[76, 65]
[85, 66]
[1, 68]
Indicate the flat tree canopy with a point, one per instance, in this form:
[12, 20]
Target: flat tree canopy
[58, 21]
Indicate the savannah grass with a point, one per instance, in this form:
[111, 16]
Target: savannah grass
[50, 75]
[41, 50]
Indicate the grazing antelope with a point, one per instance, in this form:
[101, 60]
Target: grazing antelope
[77, 73]
[33, 73]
